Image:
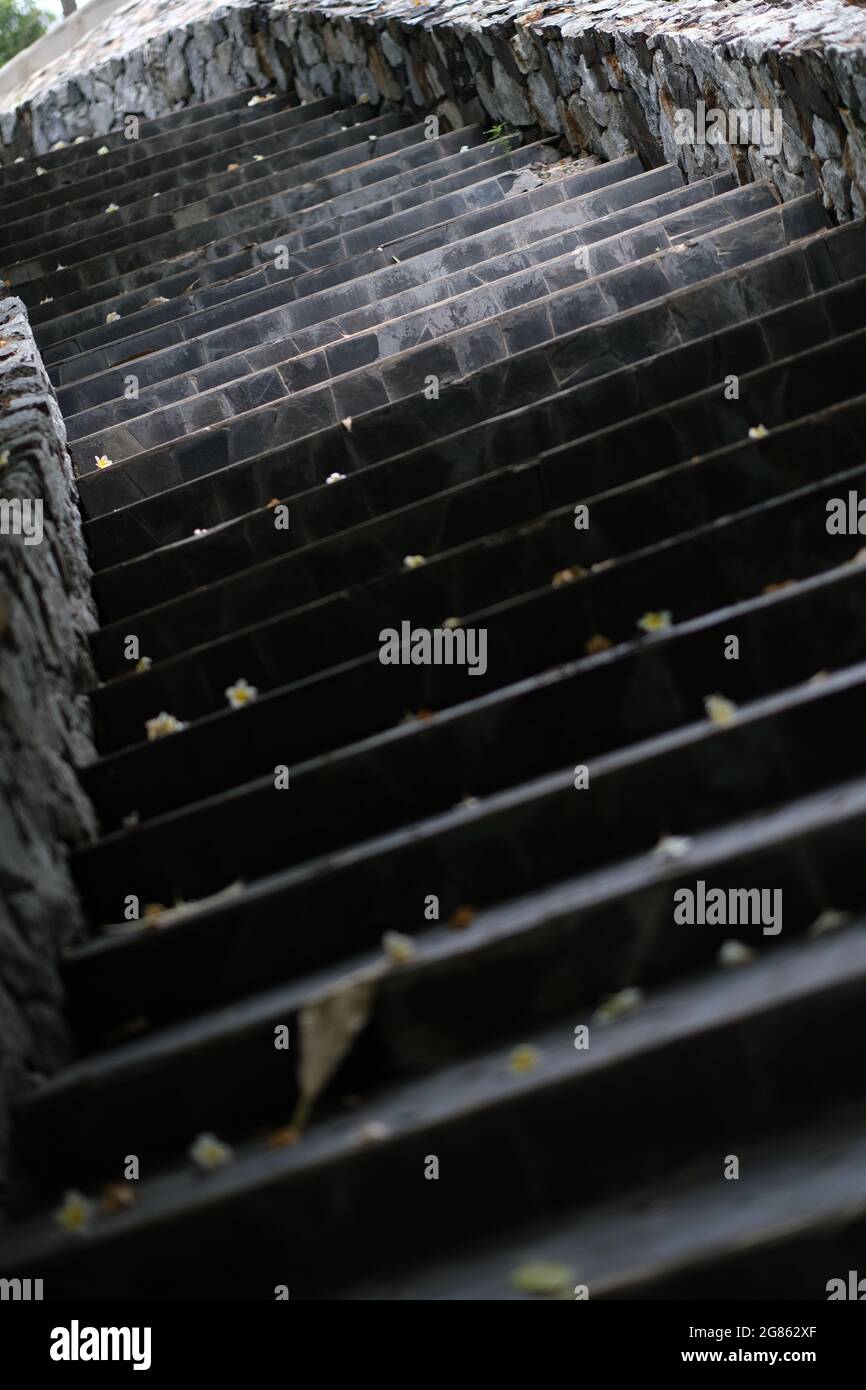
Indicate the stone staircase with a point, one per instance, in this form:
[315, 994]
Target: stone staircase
[431, 349]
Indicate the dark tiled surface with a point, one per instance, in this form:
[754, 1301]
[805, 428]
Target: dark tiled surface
[114, 253]
[221, 329]
[585, 326]
[40, 227]
[324, 389]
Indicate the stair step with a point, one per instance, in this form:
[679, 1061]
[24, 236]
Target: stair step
[230, 355]
[450, 467]
[264, 219]
[478, 581]
[123, 248]
[53, 214]
[186, 1069]
[809, 627]
[508, 1142]
[685, 1237]
[544, 494]
[236, 273]
[221, 328]
[160, 135]
[127, 525]
[479, 181]
[106, 876]
[460, 352]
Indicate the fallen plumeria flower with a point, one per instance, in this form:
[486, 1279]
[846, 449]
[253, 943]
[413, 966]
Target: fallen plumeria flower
[113, 317]
[759, 432]
[209, 1153]
[672, 847]
[398, 948]
[655, 622]
[241, 693]
[732, 953]
[335, 478]
[720, 710]
[618, 1005]
[524, 1058]
[144, 663]
[75, 1213]
[163, 724]
[545, 1278]
[373, 1132]
[413, 562]
[103, 149]
[829, 920]
[103, 461]
[112, 207]
[40, 171]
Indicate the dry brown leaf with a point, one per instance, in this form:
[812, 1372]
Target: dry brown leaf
[283, 1138]
[117, 1196]
[328, 1027]
[568, 576]
[461, 918]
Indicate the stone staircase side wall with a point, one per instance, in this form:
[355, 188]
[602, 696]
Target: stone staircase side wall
[45, 614]
[599, 77]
